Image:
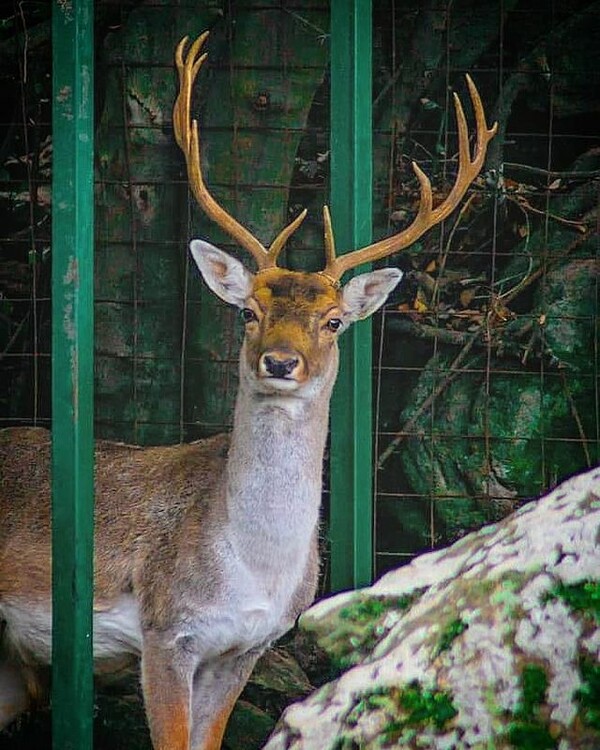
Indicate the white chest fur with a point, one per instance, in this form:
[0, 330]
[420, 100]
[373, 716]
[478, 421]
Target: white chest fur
[252, 611]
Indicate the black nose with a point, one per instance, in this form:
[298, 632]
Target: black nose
[279, 368]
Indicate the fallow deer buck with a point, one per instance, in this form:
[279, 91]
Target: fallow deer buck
[205, 553]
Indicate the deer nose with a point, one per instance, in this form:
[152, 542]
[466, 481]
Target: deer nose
[276, 364]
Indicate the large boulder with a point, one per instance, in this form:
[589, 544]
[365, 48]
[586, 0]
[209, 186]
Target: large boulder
[491, 643]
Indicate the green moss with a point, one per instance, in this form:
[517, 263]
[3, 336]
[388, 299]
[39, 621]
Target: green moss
[428, 706]
[530, 736]
[527, 730]
[362, 626]
[506, 596]
[534, 683]
[381, 698]
[588, 695]
[452, 630]
[373, 607]
[409, 708]
[418, 707]
[346, 743]
[583, 597]
[351, 632]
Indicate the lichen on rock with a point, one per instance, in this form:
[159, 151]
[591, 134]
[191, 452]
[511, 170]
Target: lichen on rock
[491, 643]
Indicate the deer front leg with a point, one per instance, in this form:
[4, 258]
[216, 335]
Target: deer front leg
[217, 685]
[167, 688]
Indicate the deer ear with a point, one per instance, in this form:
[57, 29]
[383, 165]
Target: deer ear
[364, 294]
[224, 275]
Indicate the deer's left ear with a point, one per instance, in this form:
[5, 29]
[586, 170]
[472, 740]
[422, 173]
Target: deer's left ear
[364, 294]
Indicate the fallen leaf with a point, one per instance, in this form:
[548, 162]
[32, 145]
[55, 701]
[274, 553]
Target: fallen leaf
[466, 297]
[420, 304]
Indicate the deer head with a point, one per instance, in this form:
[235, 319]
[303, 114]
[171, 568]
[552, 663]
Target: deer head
[293, 319]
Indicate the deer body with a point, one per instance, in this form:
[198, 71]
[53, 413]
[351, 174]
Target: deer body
[207, 552]
[204, 553]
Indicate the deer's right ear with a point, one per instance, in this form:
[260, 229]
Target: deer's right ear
[225, 275]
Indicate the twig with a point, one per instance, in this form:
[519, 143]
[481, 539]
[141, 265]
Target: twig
[575, 415]
[515, 290]
[442, 258]
[509, 296]
[322, 34]
[13, 338]
[426, 331]
[551, 173]
[453, 373]
[526, 205]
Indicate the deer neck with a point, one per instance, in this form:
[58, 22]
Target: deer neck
[273, 476]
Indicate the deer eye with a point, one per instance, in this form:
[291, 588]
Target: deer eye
[334, 324]
[248, 315]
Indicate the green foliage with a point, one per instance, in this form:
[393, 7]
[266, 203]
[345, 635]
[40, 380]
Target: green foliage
[583, 597]
[588, 695]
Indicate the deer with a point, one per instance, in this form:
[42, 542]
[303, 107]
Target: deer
[207, 552]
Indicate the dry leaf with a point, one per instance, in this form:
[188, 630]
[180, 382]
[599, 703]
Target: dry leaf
[466, 297]
[420, 303]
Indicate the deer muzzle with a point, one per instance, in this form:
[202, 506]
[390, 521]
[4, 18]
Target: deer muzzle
[282, 364]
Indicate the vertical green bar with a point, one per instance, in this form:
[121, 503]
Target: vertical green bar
[351, 522]
[72, 373]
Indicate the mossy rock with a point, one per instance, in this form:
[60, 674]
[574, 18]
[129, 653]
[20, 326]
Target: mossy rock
[504, 438]
[490, 643]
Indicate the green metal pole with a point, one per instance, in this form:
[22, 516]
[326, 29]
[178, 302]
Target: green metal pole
[351, 519]
[72, 373]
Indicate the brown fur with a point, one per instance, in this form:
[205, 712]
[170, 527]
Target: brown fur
[204, 553]
[160, 489]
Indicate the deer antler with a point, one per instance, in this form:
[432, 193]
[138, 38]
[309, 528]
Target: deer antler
[186, 135]
[427, 216]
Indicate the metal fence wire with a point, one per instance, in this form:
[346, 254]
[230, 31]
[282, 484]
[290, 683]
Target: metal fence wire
[486, 359]
[487, 375]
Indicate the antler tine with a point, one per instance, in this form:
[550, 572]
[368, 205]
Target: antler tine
[329, 237]
[188, 139]
[426, 217]
[283, 236]
[187, 76]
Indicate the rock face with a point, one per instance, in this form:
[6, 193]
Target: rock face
[491, 643]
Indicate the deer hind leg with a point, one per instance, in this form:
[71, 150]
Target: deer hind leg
[14, 693]
[216, 687]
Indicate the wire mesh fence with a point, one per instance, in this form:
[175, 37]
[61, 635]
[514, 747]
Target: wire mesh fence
[487, 369]
[486, 360]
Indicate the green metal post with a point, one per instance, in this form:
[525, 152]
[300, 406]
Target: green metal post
[72, 373]
[351, 520]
